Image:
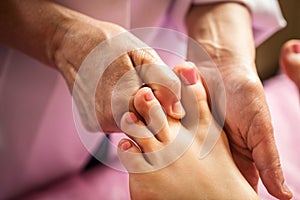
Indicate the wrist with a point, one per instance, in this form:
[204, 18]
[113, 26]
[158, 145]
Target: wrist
[57, 42]
[222, 55]
[29, 26]
[226, 38]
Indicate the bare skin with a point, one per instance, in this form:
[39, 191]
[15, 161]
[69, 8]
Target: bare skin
[290, 60]
[250, 133]
[62, 38]
[213, 177]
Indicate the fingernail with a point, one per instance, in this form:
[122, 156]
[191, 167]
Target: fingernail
[189, 76]
[125, 145]
[131, 119]
[149, 95]
[296, 48]
[286, 189]
[177, 109]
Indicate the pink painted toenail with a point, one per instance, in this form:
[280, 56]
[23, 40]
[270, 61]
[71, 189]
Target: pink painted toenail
[296, 48]
[149, 95]
[125, 145]
[189, 76]
[132, 118]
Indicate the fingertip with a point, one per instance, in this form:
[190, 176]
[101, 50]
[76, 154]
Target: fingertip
[275, 185]
[286, 191]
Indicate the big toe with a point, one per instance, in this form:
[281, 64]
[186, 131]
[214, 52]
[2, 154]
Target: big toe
[290, 60]
[194, 97]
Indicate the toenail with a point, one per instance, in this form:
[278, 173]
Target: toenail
[189, 76]
[125, 145]
[149, 95]
[296, 48]
[131, 118]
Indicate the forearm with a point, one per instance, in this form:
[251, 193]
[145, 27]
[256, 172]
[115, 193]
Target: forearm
[30, 26]
[224, 30]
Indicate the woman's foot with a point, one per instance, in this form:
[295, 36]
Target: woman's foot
[164, 161]
[290, 60]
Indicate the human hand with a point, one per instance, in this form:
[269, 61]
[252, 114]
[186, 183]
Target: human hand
[136, 67]
[249, 129]
[247, 117]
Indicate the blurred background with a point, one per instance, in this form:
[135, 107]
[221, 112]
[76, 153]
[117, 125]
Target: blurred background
[268, 52]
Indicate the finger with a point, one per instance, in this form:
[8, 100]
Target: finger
[265, 154]
[164, 83]
[120, 81]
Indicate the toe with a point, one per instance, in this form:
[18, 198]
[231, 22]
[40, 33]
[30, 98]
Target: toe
[194, 98]
[198, 119]
[290, 60]
[131, 157]
[138, 132]
[151, 111]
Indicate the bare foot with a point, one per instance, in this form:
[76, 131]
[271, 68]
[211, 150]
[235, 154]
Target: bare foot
[290, 60]
[164, 160]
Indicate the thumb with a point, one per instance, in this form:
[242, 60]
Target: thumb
[265, 154]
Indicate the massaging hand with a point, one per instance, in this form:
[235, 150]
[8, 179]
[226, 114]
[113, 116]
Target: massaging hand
[228, 39]
[248, 126]
[79, 39]
[62, 38]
